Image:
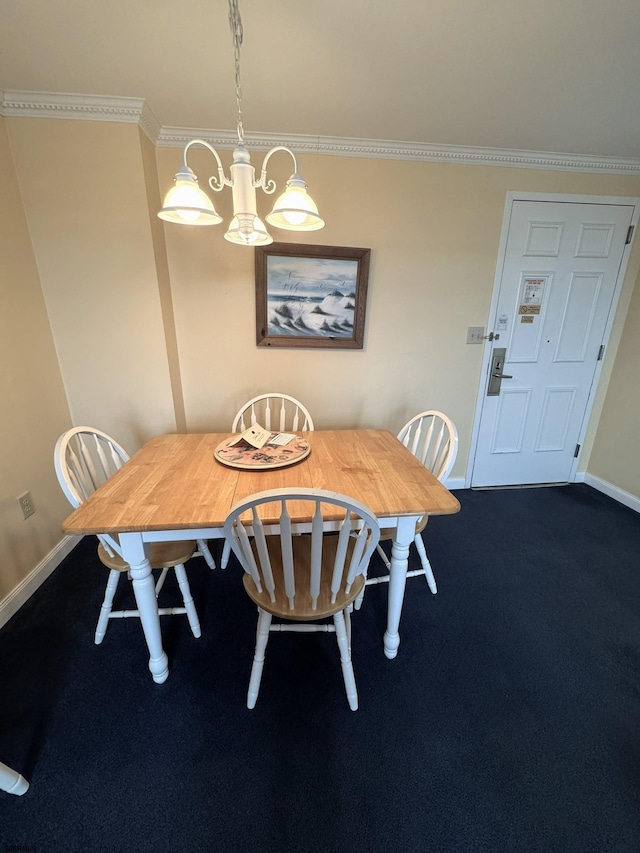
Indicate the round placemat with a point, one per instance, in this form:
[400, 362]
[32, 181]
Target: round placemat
[243, 455]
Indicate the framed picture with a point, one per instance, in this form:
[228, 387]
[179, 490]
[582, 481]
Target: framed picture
[311, 296]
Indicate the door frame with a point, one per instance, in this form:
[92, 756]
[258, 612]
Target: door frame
[511, 197]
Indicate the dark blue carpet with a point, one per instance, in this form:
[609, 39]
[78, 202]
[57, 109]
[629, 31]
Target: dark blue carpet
[510, 720]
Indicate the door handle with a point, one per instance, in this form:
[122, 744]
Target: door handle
[498, 358]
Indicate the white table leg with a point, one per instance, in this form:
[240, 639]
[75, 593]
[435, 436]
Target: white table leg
[144, 590]
[398, 575]
[11, 781]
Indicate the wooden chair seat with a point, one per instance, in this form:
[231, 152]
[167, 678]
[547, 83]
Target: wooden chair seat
[304, 611]
[162, 555]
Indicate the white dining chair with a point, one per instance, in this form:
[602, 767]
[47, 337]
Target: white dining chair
[84, 458]
[273, 411]
[276, 412]
[432, 437]
[302, 573]
[11, 781]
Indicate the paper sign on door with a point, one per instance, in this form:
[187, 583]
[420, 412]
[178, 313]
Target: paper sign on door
[532, 293]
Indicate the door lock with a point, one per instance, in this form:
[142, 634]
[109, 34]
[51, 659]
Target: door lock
[498, 358]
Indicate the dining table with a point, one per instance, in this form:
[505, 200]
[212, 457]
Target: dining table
[175, 487]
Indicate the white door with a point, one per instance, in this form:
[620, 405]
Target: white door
[561, 265]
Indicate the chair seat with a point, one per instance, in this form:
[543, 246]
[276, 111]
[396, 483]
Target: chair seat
[302, 560]
[163, 555]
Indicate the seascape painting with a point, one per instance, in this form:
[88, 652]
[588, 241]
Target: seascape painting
[311, 296]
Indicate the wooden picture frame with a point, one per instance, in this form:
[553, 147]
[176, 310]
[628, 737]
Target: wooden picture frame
[311, 296]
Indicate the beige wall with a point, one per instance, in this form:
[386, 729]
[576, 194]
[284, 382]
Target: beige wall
[615, 457]
[434, 231]
[154, 325]
[83, 188]
[154, 202]
[33, 409]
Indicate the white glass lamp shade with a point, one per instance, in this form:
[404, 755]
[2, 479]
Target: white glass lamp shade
[295, 210]
[187, 204]
[248, 230]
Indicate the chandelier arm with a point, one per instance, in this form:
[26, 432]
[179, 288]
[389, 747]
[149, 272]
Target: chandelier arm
[269, 186]
[216, 184]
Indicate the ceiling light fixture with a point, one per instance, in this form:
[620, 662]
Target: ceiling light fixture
[187, 204]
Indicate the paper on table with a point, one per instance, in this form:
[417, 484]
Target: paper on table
[282, 438]
[258, 436]
[255, 435]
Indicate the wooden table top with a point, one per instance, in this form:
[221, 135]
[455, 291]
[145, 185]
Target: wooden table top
[175, 483]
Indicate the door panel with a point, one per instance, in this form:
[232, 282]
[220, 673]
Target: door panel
[576, 324]
[511, 421]
[557, 409]
[561, 265]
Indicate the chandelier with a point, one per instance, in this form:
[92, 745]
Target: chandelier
[187, 204]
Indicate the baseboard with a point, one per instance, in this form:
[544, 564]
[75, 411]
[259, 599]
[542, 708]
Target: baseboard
[453, 483]
[25, 589]
[612, 491]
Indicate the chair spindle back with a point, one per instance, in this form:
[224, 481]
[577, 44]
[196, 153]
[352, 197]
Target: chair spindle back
[276, 412]
[432, 437]
[84, 459]
[270, 517]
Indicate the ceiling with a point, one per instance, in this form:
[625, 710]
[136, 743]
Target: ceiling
[560, 76]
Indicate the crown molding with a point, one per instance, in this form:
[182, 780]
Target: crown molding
[67, 105]
[81, 107]
[136, 111]
[150, 124]
[177, 137]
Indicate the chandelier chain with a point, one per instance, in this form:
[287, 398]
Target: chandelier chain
[235, 23]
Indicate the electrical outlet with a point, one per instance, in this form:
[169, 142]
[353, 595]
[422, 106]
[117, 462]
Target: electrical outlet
[475, 334]
[25, 502]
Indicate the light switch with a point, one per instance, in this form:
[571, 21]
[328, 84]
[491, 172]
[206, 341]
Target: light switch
[475, 334]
